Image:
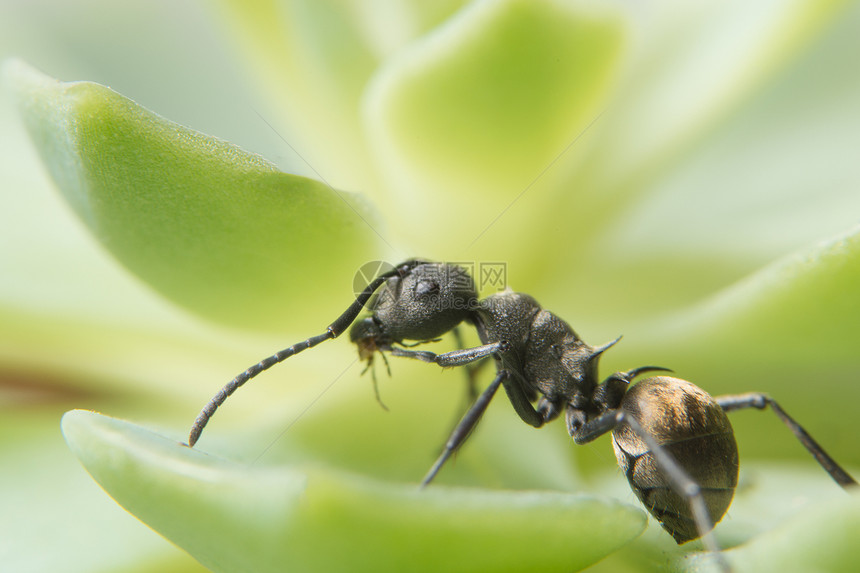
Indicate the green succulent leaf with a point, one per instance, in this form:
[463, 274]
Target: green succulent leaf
[819, 539]
[788, 329]
[784, 517]
[494, 96]
[788, 517]
[46, 500]
[629, 166]
[234, 517]
[315, 57]
[214, 228]
[798, 311]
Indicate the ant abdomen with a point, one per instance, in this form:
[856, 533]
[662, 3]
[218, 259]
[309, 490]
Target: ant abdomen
[690, 426]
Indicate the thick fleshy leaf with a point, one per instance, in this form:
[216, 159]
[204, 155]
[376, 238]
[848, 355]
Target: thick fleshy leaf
[469, 116]
[671, 96]
[789, 330]
[705, 185]
[54, 517]
[70, 315]
[802, 311]
[715, 192]
[785, 517]
[792, 517]
[314, 58]
[822, 538]
[213, 228]
[234, 517]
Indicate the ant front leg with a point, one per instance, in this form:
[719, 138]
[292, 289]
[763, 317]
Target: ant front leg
[471, 370]
[470, 373]
[761, 401]
[518, 399]
[466, 425]
[473, 415]
[455, 357]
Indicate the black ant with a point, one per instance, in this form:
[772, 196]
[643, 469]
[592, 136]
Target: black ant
[672, 439]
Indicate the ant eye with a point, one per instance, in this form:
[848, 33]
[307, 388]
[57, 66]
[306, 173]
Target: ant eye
[557, 350]
[424, 288]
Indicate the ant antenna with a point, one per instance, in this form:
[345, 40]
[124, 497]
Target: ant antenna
[333, 330]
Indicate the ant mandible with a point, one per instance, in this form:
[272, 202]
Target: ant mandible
[672, 439]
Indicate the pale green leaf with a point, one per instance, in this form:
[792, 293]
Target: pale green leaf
[785, 517]
[789, 330]
[314, 58]
[820, 539]
[799, 311]
[234, 517]
[210, 226]
[468, 117]
[54, 517]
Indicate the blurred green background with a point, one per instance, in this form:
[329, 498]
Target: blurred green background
[699, 195]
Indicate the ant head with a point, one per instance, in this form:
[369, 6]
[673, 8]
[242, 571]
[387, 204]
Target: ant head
[422, 304]
[560, 363]
[367, 335]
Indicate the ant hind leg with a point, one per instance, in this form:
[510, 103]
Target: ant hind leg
[761, 401]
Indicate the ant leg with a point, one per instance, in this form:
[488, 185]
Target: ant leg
[464, 428]
[471, 370]
[516, 393]
[680, 481]
[333, 330]
[548, 409]
[761, 401]
[455, 357]
[376, 387]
